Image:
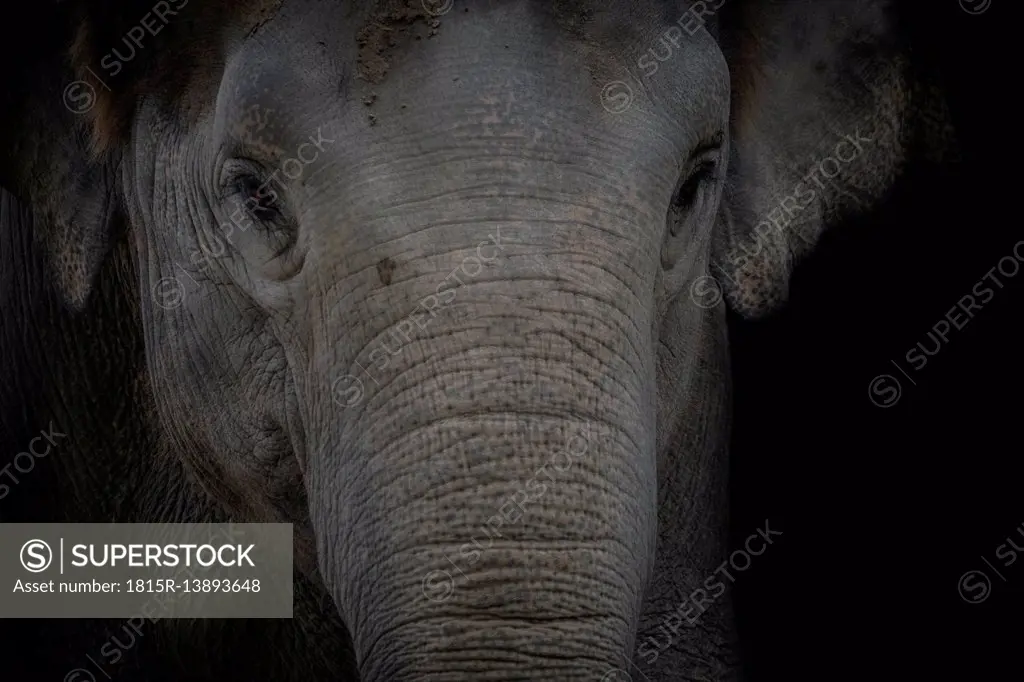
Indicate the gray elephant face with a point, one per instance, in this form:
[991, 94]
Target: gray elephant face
[421, 315]
[433, 285]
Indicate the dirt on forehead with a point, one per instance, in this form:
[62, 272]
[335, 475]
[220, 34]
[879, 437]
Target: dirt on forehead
[392, 23]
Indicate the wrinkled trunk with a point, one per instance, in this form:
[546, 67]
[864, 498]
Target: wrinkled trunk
[481, 471]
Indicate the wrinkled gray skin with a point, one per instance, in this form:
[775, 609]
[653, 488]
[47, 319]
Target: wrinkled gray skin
[433, 497]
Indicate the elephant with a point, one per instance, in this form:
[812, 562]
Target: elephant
[443, 285]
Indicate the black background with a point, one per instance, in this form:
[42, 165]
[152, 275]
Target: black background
[882, 510]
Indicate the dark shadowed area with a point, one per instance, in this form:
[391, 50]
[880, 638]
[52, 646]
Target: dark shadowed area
[885, 509]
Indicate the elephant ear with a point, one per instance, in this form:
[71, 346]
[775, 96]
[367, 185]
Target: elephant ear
[826, 111]
[49, 161]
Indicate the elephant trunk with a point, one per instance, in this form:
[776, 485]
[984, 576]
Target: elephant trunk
[483, 489]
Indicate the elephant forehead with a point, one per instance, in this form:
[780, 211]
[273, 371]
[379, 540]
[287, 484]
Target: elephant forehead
[605, 41]
[572, 14]
[612, 23]
[608, 34]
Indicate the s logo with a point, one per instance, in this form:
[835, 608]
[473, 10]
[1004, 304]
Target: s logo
[36, 556]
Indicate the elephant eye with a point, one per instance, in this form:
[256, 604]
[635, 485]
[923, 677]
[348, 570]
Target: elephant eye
[686, 195]
[689, 193]
[256, 202]
[260, 199]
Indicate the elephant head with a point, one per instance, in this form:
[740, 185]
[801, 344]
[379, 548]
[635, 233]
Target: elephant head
[442, 284]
